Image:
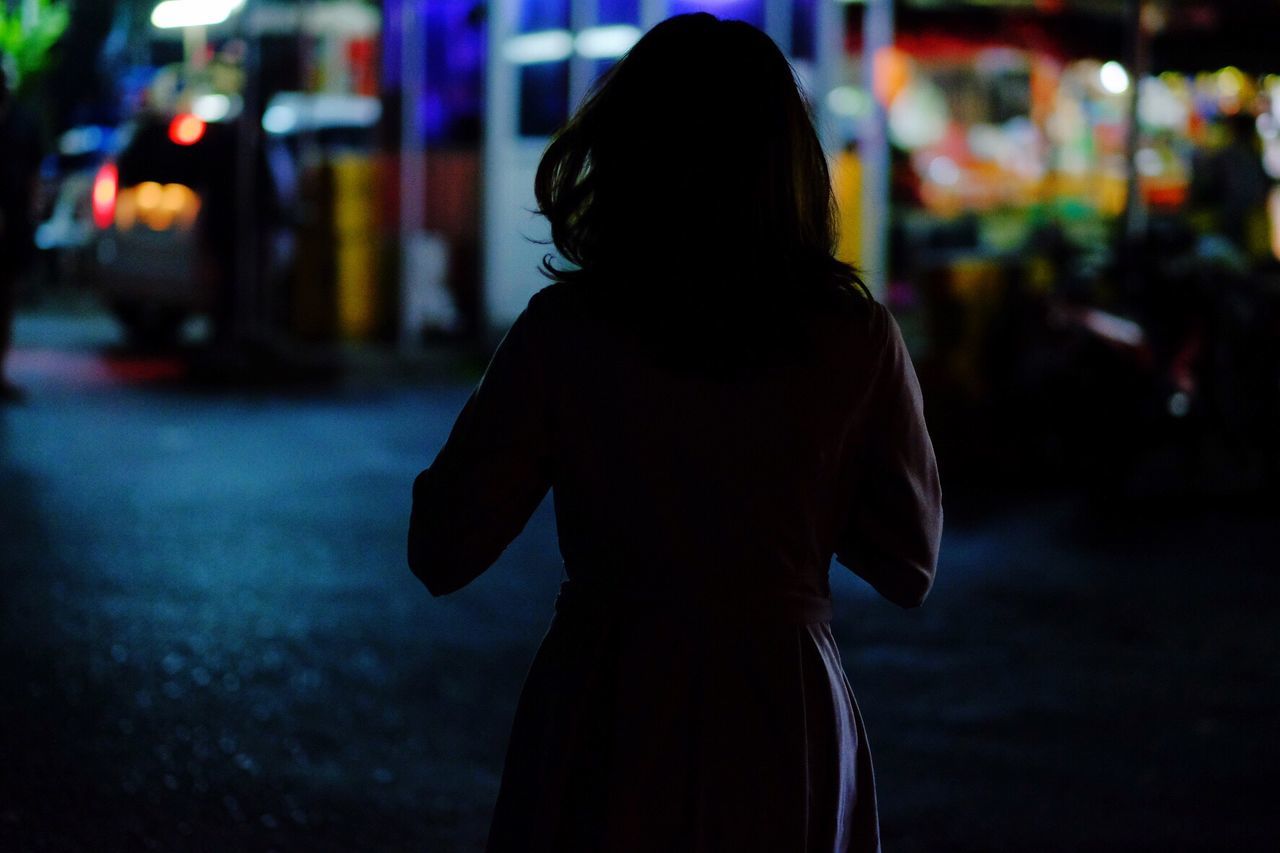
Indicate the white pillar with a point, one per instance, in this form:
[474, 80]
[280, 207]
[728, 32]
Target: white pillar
[873, 150]
[583, 14]
[777, 22]
[652, 12]
[424, 296]
[828, 52]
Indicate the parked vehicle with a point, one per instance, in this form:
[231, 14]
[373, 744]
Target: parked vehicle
[163, 210]
[165, 207]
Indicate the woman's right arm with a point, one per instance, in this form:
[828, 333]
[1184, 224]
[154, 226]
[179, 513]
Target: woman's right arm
[493, 471]
[894, 526]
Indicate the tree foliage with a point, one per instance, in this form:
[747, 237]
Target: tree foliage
[28, 31]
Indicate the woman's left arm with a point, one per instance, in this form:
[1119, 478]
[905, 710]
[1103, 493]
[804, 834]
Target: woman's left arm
[493, 470]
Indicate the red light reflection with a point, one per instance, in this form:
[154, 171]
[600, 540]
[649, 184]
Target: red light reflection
[104, 195]
[186, 129]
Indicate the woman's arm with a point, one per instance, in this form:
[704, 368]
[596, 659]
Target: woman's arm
[894, 526]
[493, 470]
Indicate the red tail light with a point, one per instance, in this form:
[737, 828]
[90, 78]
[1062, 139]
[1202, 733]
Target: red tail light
[186, 129]
[104, 195]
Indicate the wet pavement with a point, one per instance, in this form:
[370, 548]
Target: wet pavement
[209, 641]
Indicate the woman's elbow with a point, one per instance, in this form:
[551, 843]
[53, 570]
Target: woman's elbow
[426, 564]
[921, 564]
[913, 587]
[441, 562]
[437, 581]
[902, 580]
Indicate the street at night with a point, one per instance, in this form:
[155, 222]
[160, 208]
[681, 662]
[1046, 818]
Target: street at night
[978, 299]
[210, 639]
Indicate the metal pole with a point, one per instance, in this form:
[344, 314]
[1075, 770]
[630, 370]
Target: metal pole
[249, 324]
[1135, 212]
[828, 71]
[877, 36]
[413, 172]
[777, 22]
[195, 47]
[582, 15]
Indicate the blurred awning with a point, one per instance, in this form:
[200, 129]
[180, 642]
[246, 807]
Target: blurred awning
[1189, 35]
[951, 30]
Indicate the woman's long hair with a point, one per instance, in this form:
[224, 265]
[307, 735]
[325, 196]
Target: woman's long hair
[691, 178]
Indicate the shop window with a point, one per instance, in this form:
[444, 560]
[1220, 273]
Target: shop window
[618, 12]
[537, 15]
[803, 27]
[541, 52]
[544, 98]
[453, 106]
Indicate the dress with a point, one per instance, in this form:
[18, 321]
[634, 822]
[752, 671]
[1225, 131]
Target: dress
[688, 694]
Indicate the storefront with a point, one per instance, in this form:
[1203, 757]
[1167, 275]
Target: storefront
[1017, 118]
[543, 56]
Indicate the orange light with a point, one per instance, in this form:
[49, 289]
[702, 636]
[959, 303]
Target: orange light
[104, 194]
[891, 72]
[186, 129]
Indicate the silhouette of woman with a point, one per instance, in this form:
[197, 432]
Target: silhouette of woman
[719, 407]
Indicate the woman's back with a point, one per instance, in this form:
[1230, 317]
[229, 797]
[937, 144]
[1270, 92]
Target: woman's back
[688, 694]
[670, 480]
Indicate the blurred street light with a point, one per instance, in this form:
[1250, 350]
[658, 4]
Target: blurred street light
[215, 107]
[172, 14]
[192, 17]
[1114, 78]
[849, 101]
[606, 42]
[544, 46]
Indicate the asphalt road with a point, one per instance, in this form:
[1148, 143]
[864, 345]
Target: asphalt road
[209, 641]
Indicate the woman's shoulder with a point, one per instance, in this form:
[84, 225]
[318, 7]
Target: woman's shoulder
[576, 312]
[847, 326]
[556, 299]
[854, 304]
[556, 317]
[853, 318]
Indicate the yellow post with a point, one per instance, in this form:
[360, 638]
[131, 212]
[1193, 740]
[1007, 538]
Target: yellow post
[846, 179]
[360, 308]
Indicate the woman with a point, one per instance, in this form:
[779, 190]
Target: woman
[718, 407]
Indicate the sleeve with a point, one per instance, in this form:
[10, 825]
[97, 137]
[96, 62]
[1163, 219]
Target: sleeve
[492, 472]
[893, 529]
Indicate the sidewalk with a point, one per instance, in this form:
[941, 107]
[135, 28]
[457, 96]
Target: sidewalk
[83, 347]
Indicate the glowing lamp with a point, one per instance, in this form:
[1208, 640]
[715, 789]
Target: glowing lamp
[186, 129]
[1114, 78]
